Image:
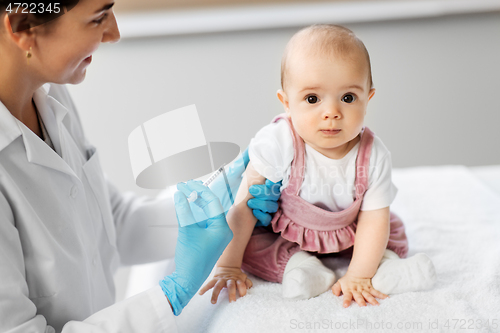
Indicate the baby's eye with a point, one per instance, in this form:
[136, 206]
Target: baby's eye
[311, 99]
[348, 98]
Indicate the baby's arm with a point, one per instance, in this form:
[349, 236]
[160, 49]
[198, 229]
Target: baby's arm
[242, 222]
[372, 235]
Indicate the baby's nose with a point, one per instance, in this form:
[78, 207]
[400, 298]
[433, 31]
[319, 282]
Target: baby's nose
[332, 112]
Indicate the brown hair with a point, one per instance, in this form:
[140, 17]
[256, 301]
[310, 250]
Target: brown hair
[326, 39]
[38, 10]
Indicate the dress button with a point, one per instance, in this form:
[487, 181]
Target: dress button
[74, 192]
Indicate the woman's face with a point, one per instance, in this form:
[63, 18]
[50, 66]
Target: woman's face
[63, 49]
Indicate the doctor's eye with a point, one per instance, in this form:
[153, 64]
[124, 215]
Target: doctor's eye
[348, 98]
[101, 19]
[311, 99]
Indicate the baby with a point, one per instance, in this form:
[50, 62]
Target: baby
[337, 185]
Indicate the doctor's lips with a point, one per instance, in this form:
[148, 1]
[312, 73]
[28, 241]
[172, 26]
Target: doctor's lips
[88, 59]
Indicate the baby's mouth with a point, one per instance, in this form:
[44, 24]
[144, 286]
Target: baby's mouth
[331, 131]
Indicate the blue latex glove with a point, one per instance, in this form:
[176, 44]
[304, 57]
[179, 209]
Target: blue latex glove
[199, 245]
[264, 201]
[234, 174]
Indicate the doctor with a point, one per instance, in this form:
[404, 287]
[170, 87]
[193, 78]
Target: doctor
[64, 229]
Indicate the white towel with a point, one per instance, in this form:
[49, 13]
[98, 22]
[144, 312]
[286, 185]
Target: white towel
[450, 215]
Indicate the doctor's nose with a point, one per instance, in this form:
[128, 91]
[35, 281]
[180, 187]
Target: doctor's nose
[111, 34]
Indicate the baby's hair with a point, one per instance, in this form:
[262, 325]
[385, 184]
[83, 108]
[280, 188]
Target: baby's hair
[326, 39]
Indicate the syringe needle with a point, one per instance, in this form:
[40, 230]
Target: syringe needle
[194, 195]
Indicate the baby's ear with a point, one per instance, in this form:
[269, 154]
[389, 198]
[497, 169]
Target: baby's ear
[371, 93]
[283, 99]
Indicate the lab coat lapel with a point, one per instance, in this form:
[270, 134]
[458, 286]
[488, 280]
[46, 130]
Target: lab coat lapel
[38, 152]
[9, 130]
[52, 114]
[68, 157]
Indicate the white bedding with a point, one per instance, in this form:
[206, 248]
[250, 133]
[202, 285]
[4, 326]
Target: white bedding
[451, 215]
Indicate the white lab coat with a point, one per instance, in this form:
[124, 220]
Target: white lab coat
[64, 230]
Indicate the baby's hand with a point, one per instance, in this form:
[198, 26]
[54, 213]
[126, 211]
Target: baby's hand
[230, 277]
[360, 289]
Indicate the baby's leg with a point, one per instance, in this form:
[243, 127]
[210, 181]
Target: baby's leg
[395, 275]
[306, 277]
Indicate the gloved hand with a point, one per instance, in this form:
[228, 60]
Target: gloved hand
[264, 201]
[199, 245]
[265, 195]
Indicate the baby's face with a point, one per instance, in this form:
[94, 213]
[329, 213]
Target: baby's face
[326, 99]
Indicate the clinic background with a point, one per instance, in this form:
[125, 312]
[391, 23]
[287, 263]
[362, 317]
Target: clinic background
[435, 68]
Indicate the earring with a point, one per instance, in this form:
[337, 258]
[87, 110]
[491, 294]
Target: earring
[28, 56]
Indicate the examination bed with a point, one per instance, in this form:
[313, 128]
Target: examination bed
[452, 213]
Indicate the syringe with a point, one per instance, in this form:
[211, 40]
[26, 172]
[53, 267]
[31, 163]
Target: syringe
[193, 196]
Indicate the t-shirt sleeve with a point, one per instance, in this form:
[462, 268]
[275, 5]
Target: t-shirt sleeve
[271, 151]
[381, 190]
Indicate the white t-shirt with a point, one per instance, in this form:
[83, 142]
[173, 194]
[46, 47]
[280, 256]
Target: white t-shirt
[328, 183]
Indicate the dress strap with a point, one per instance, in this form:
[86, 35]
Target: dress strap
[363, 162]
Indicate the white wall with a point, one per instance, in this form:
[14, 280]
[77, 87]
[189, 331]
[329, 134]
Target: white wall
[437, 83]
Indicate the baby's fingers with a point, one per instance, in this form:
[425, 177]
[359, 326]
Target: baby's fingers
[218, 287]
[336, 289]
[359, 298]
[242, 287]
[208, 286]
[347, 299]
[231, 288]
[369, 297]
[377, 293]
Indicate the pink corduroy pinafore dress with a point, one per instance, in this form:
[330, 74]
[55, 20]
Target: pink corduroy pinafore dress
[299, 225]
